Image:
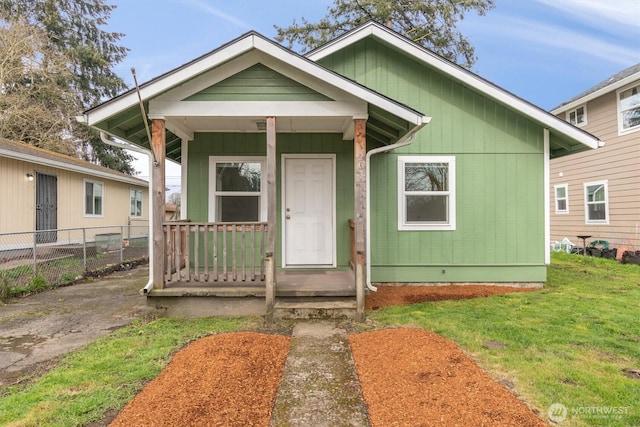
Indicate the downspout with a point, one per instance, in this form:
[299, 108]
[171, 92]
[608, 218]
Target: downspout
[149, 153]
[402, 142]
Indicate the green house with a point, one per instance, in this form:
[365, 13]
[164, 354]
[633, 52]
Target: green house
[307, 180]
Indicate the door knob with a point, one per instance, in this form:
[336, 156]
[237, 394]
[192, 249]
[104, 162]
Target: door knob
[288, 216]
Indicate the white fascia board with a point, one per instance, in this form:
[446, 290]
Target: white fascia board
[70, 167]
[464, 76]
[147, 91]
[340, 82]
[257, 109]
[598, 93]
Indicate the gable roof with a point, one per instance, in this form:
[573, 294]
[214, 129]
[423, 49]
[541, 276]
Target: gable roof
[582, 140]
[29, 153]
[175, 80]
[614, 82]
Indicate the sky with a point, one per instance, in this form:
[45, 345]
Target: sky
[544, 51]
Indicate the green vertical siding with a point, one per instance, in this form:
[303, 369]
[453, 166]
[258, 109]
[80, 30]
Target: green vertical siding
[499, 163]
[242, 144]
[258, 83]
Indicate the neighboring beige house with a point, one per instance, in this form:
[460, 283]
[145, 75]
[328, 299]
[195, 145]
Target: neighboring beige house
[41, 190]
[597, 193]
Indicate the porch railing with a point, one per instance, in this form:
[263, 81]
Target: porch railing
[214, 252]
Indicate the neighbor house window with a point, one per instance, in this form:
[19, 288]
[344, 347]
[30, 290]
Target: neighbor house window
[562, 198]
[578, 116]
[238, 190]
[596, 203]
[93, 198]
[629, 109]
[426, 189]
[136, 202]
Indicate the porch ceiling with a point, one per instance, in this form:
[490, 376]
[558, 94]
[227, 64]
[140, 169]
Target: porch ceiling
[383, 128]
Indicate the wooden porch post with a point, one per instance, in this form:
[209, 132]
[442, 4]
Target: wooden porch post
[157, 182]
[270, 280]
[360, 206]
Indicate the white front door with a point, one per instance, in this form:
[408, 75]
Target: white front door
[308, 211]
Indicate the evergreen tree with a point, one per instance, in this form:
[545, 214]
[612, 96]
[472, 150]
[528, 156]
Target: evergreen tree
[74, 28]
[430, 23]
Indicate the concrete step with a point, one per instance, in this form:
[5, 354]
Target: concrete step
[315, 308]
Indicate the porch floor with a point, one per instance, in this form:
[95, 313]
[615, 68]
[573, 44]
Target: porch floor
[289, 283]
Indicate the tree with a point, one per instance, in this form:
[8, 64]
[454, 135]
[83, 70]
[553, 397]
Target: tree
[36, 103]
[73, 28]
[430, 23]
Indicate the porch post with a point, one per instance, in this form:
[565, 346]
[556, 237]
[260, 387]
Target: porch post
[157, 184]
[360, 204]
[270, 281]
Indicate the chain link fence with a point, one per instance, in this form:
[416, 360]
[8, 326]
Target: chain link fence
[34, 261]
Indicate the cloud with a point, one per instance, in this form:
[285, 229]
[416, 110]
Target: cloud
[202, 5]
[601, 13]
[561, 38]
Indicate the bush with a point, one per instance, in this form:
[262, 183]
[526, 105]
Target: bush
[38, 284]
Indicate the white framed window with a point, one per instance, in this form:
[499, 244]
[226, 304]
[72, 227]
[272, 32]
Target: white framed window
[629, 108]
[236, 190]
[426, 193]
[93, 198]
[577, 116]
[135, 196]
[562, 198]
[596, 203]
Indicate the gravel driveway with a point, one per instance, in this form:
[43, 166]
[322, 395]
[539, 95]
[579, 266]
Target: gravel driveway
[36, 330]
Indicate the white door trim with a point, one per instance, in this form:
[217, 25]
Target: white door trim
[332, 157]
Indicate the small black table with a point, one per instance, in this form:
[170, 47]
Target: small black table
[584, 244]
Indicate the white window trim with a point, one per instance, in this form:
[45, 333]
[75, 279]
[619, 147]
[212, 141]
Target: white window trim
[402, 225]
[566, 198]
[622, 131]
[575, 110]
[84, 198]
[232, 159]
[604, 183]
[141, 205]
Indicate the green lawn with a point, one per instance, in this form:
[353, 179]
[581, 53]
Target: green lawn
[569, 343]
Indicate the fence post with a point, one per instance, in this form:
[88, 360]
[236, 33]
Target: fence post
[35, 254]
[121, 244]
[84, 249]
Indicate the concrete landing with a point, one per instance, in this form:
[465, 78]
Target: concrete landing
[319, 386]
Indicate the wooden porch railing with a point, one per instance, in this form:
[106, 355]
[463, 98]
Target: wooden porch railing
[214, 252]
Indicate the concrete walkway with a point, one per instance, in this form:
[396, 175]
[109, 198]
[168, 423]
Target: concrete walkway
[319, 387]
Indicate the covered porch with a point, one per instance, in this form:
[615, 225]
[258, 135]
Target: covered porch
[255, 105]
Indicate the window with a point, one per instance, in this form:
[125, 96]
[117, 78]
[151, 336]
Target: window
[426, 189]
[136, 202]
[238, 194]
[629, 109]
[562, 198]
[93, 198]
[596, 204]
[578, 116]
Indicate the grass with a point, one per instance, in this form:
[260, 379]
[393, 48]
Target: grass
[568, 343]
[105, 374]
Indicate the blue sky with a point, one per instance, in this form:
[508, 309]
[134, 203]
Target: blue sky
[545, 51]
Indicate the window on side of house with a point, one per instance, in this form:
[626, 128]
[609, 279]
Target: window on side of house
[238, 193]
[596, 202]
[426, 193]
[577, 116]
[562, 198]
[93, 198]
[629, 109]
[135, 196]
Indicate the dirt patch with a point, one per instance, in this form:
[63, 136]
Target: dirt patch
[402, 295]
[221, 380]
[412, 377]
